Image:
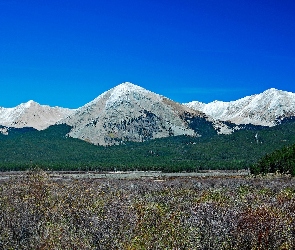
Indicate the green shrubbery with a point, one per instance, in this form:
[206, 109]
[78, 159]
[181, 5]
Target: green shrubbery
[282, 161]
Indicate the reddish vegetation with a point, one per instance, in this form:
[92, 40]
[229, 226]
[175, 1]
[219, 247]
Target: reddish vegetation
[37, 212]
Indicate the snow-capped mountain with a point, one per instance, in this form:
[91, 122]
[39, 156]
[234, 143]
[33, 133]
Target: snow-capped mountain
[128, 112]
[266, 109]
[32, 114]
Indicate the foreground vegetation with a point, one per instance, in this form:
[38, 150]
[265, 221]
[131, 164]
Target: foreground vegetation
[37, 212]
[52, 149]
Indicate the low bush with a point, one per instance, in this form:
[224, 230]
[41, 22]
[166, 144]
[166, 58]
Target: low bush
[40, 212]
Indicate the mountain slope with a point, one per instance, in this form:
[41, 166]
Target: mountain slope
[52, 149]
[128, 112]
[32, 114]
[264, 109]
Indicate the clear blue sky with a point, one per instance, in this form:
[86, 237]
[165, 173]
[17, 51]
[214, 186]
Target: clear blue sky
[67, 52]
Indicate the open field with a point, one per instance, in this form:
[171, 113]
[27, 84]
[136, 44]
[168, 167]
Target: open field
[40, 210]
[125, 174]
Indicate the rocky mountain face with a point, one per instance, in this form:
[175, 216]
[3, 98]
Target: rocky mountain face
[130, 113]
[32, 114]
[265, 109]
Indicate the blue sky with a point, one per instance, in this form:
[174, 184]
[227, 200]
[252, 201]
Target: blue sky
[67, 52]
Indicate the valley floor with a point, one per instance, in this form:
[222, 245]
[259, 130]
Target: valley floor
[152, 210]
[126, 174]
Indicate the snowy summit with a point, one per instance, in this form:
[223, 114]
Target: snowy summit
[260, 109]
[129, 112]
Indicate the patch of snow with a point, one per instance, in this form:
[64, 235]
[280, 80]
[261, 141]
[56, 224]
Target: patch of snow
[260, 109]
[32, 114]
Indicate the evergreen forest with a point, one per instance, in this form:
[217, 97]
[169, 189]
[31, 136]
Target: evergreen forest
[281, 161]
[52, 149]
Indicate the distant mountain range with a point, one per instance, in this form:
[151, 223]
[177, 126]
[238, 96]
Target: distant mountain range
[32, 114]
[128, 112]
[266, 109]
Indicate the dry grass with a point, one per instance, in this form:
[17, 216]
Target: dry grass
[39, 212]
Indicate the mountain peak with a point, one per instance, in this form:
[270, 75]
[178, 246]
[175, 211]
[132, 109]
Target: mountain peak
[29, 103]
[129, 112]
[272, 91]
[127, 92]
[26, 105]
[128, 84]
[260, 109]
[32, 114]
[127, 87]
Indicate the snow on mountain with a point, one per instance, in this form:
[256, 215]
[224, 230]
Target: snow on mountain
[32, 114]
[128, 112]
[261, 109]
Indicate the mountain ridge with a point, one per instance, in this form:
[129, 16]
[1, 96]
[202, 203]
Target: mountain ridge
[32, 114]
[266, 108]
[128, 112]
